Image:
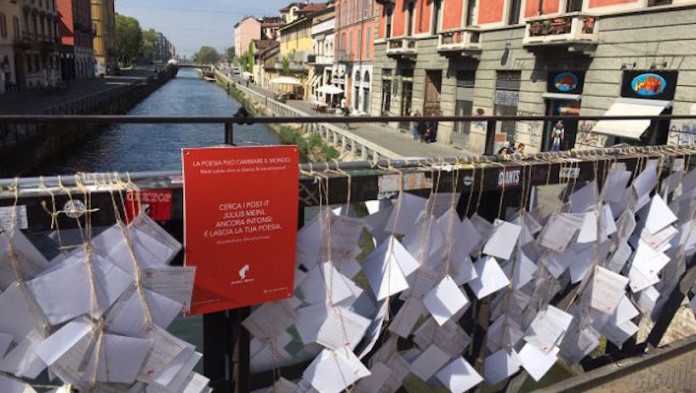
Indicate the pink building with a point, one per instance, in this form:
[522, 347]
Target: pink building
[246, 31]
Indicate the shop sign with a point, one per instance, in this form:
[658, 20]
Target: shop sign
[648, 85]
[509, 178]
[653, 85]
[566, 82]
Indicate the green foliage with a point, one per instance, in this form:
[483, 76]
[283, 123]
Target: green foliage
[230, 54]
[150, 45]
[286, 65]
[129, 39]
[206, 55]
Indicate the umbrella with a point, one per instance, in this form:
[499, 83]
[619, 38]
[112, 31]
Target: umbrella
[247, 75]
[286, 80]
[330, 89]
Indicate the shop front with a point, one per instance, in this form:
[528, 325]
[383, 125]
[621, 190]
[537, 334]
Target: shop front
[643, 93]
[562, 98]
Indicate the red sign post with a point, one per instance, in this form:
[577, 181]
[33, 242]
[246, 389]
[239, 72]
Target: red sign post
[240, 209]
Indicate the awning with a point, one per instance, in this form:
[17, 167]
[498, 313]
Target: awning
[314, 80]
[561, 96]
[330, 89]
[286, 80]
[630, 129]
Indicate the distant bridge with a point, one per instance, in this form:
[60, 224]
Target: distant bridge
[194, 65]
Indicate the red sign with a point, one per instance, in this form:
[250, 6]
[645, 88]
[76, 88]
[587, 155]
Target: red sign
[240, 224]
[155, 203]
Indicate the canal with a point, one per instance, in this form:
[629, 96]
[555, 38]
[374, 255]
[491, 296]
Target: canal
[157, 147]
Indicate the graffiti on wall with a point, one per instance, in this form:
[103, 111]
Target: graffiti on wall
[682, 133]
[588, 139]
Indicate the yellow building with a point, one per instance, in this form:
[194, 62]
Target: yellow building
[104, 22]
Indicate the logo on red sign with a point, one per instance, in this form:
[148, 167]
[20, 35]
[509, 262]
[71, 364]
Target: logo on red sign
[155, 203]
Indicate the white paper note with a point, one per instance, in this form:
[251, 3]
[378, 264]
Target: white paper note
[499, 366]
[429, 362]
[607, 290]
[445, 300]
[491, 278]
[459, 376]
[537, 363]
[547, 329]
[503, 240]
[334, 371]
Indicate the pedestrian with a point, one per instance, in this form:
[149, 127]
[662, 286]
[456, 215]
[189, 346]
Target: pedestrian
[346, 110]
[520, 148]
[503, 151]
[432, 129]
[414, 126]
[422, 130]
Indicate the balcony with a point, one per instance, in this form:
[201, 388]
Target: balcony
[578, 32]
[464, 41]
[401, 47]
[343, 56]
[311, 59]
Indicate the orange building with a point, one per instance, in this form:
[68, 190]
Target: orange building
[523, 57]
[355, 33]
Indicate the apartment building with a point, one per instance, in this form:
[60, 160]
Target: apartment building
[321, 58]
[36, 43]
[9, 32]
[537, 57]
[356, 24]
[104, 26]
[246, 31]
[270, 26]
[76, 39]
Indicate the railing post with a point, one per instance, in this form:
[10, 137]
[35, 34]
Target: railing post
[229, 133]
[490, 137]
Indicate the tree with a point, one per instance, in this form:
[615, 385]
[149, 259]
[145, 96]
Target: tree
[129, 38]
[247, 59]
[150, 45]
[230, 54]
[206, 55]
[285, 62]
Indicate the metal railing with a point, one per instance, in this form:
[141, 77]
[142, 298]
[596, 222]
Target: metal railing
[226, 342]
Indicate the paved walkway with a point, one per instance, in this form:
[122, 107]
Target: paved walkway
[674, 375]
[381, 134]
[34, 101]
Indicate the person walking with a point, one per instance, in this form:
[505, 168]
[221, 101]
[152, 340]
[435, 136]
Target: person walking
[415, 133]
[432, 129]
[346, 110]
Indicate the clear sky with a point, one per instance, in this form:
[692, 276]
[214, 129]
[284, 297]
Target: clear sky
[190, 24]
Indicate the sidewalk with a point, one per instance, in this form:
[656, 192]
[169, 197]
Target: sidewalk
[34, 102]
[398, 142]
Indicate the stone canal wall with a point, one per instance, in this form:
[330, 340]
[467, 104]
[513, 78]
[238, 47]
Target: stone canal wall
[350, 146]
[24, 147]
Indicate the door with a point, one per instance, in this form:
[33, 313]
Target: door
[433, 90]
[386, 96]
[406, 96]
[560, 135]
[464, 106]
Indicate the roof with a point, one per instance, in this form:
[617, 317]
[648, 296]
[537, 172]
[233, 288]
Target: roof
[268, 48]
[243, 19]
[264, 44]
[304, 7]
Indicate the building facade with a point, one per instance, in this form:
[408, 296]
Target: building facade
[356, 25]
[76, 39]
[538, 57]
[321, 60]
[9, 32]
[270, 26]
[36, 45]
[104, 27]
[247, 30]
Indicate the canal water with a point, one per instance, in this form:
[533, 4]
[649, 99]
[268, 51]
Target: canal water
[157, 147]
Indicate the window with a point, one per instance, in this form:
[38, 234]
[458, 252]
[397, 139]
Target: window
[389, 11]
[349, 50]
[358, 44]
[15, 26]
[368, 39]
[514, 11]
[3, 26]
[574, 6]
[409, 16]
[654, 3]
[437, 5]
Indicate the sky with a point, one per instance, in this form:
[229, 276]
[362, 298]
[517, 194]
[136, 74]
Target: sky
[191, 24]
